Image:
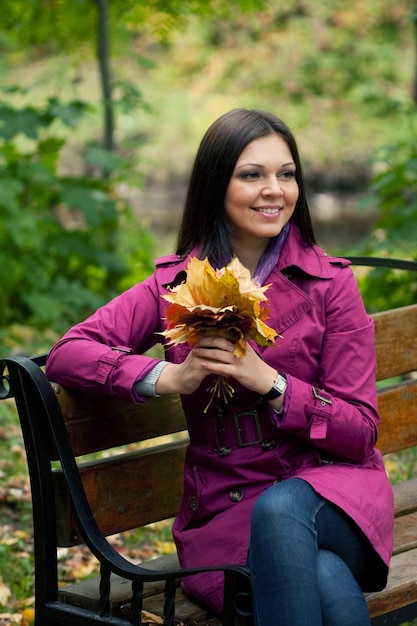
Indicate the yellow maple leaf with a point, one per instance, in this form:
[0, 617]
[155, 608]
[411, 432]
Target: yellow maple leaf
[246, 284]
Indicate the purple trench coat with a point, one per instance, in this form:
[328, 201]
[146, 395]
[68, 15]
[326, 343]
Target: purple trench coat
[325, 436]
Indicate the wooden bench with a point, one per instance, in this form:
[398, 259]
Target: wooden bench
[142, 483]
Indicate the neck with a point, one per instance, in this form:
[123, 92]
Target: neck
[249, 256]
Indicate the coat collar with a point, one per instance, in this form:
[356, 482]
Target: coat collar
[312, 260]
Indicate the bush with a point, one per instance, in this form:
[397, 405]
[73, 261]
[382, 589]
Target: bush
[59, 235]
[393, 191]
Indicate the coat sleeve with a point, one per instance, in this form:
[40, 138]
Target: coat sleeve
[104, 353]
[338, 413]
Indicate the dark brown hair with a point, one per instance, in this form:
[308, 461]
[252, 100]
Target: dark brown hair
[204, 220]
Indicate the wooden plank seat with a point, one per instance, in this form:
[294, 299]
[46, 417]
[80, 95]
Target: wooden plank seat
[132, 476]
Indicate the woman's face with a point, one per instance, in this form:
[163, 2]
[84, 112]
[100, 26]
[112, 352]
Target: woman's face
[263, 191]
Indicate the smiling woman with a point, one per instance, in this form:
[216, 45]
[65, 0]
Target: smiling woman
[287, 459]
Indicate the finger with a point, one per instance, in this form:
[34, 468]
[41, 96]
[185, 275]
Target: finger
[216, 342]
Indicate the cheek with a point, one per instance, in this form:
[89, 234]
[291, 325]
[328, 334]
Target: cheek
[293, 195]
[234, 194]
[242, 194]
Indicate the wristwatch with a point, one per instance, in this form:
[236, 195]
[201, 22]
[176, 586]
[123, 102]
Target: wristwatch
[278, 388]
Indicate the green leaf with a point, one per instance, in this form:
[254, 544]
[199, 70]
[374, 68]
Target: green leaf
[94, 204]
[11, 188]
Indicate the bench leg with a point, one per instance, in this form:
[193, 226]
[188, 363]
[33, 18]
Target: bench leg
[237, 600]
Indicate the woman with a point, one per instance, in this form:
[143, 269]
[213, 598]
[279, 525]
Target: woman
[285, 475]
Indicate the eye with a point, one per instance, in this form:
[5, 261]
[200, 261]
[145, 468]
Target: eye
[250, 175]
[287, 174]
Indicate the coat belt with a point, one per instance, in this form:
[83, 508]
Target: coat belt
[231, 426]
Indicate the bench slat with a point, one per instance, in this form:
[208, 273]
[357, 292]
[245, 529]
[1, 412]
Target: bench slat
[398, 412]
[125, 492]
[401, 588]
[98, 423]
[405, 533]
[405, 495]
[396, 341]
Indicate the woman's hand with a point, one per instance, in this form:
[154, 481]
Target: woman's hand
[214, 355]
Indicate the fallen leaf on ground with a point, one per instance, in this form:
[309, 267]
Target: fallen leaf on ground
[151, 618]
[8, 618]
[28, 614]
[5, 593]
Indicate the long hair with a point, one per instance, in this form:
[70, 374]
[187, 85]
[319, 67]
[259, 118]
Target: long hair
[204, 220]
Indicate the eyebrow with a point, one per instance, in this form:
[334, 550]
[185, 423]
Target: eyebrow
[260, 165]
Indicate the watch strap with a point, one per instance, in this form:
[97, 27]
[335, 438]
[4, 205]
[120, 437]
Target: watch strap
[278, 388]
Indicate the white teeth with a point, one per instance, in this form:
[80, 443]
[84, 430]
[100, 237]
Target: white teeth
[267, 210]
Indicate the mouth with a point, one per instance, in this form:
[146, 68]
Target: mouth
[267, 210]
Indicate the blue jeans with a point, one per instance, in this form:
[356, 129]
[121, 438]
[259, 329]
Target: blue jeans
[305, 557]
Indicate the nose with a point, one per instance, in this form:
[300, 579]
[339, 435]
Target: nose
[272, 187]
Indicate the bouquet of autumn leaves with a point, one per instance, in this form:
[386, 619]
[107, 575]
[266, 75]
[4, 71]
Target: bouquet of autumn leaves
[227, 302]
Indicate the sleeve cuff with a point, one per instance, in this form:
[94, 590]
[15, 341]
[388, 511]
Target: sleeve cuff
[281, 413]
[146, 386]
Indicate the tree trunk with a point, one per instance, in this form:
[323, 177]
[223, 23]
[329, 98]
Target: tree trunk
[414, 18]
[104, 65]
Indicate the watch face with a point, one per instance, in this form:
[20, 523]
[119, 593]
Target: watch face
[278, 388]
[280, 384]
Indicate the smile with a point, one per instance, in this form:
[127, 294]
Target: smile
[269, 210]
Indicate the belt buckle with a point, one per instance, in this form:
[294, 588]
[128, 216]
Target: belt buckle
[237, 417]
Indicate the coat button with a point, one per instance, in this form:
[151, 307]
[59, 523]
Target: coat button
[193, 503]
[236, 495]
[224, 451]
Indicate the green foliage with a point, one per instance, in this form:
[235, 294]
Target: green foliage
[386, 288]
[338, 73]
[59, 234]
[70, 25]
[393, 191]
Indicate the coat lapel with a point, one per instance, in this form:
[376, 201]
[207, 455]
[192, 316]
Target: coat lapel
[290, 302]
